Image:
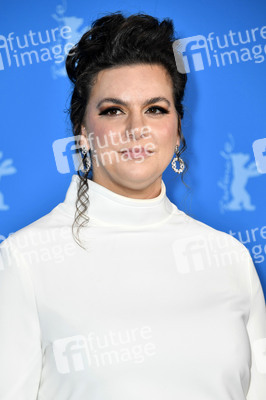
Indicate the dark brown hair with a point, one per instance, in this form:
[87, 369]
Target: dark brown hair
[116, 40]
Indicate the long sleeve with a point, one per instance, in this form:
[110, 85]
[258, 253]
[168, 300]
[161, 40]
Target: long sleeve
[257, 334]
[20, 343]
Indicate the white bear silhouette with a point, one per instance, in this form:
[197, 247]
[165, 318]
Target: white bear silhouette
[241, 173]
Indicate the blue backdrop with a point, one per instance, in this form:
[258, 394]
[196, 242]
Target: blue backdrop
[224, 49]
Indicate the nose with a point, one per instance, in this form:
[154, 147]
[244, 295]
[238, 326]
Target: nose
[134, 125]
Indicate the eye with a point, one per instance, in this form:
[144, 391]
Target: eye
[110, 111]
[160, 109]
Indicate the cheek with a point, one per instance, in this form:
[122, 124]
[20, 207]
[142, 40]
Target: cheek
[100, 131]
[96, 124]
[167, 134]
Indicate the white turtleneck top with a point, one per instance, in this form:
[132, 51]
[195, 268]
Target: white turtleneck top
[158, 307]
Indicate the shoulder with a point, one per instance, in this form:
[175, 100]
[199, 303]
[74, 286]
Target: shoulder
[199, 237]
[201, 248]
[51, 229]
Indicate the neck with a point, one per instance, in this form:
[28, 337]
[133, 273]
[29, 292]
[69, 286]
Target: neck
[112, 209]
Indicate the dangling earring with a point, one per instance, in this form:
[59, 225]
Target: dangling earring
[181, 162]
[86, 160]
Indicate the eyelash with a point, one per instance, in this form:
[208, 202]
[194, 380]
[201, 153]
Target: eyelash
[163, 110]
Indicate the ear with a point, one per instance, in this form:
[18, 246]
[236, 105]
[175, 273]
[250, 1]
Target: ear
[84, 137]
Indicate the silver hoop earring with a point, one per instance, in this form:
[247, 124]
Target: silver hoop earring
[181, 162]
[86, 160]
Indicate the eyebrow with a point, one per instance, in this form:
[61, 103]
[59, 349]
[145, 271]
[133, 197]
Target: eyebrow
[124, 103]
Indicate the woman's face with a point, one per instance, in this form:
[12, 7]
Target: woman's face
[131, 107]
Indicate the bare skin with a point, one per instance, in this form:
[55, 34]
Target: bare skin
[133, 124]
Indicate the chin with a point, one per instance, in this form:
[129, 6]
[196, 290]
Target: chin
[137, 178]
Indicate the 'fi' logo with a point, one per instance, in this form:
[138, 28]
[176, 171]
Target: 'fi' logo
[259, 149]
[191, 52]
[63, 149]
[3, 45]
[71, 354]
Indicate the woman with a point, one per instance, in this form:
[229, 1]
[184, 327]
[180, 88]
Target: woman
[141, 301]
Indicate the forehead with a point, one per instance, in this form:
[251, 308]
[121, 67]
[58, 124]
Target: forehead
[132, 82]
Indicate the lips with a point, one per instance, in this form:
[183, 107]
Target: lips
[135, 150]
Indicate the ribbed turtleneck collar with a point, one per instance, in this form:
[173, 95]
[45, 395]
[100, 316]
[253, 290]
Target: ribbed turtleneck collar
[112, 209]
